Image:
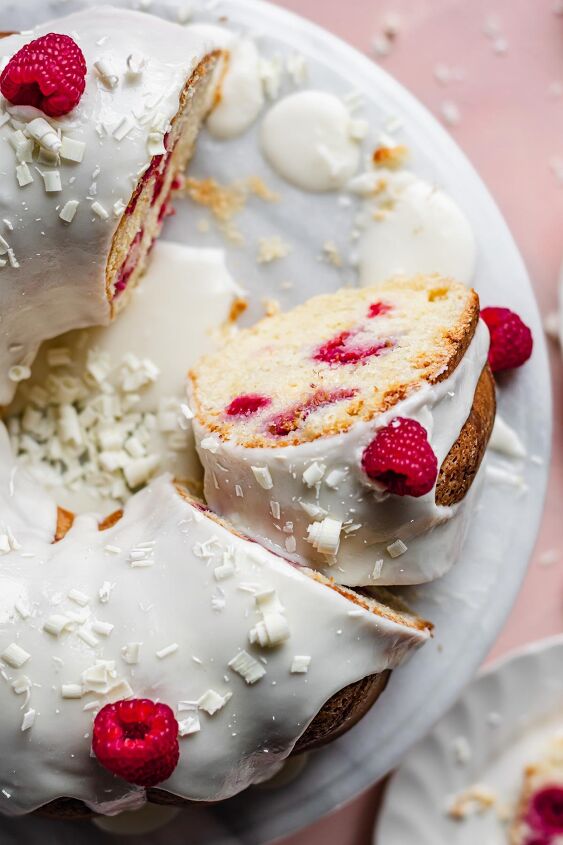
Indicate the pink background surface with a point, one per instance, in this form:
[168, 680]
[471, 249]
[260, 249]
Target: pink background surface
[511, 128]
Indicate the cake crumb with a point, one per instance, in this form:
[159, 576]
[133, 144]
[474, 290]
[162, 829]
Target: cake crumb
[474, 800]
[226, 201]
[390, 157]
[271, 307]
[271, 249]
[258, 187]
[461, 750]
[331, 254]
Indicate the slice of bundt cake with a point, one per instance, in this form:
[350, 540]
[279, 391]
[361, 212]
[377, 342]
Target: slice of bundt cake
[166, 656]
[88, 170]
[539, 815]
[344, 432]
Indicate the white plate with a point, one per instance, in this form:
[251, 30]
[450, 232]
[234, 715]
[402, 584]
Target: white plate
[506, 716]
[468, 606]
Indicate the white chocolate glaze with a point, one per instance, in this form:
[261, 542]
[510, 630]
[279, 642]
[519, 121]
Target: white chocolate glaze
[241, 95]
[410, 227]
[169, 577]
[174, 316]
[309, 139]
[55, 278]
[371, 522]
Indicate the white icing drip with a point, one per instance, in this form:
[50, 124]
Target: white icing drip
[371, 521]
[61, 272]
[198, 283]
[307, 137]
[169, 602]
[240, 85]
[505, 440]
[416, 228]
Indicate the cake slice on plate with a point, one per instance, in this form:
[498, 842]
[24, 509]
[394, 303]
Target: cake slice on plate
[98, 117]
[539, 815]
[347, 433]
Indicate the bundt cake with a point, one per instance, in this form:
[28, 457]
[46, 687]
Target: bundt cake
[168, 603]
[180, 649]
[88, 170]
[346, 432]
[539, 814]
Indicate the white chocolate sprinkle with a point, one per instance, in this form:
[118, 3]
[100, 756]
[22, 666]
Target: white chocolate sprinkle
[300, 664]
[98, 209]
[78, 597]
[102, 628]
[19, 372]
[189, 725]
[131, 653]
[247, 667]
[212, 701]
[263, 477]
[15, 656]
[313, 474]
[123, 128]
[69, 210]
[71, 149]
[325, 536]
[211, 443]
[106, 72]
[88, 637]
[397, 548]
[23, 175]
[56, 624]
[28, 719]
[72, 691]
[44, 134]
[104, 592]
[135, 64]
[167, 651]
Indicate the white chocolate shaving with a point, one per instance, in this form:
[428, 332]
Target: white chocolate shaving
[300, 664]
[212, 701]
[44, 134]
[263, 477]
[325, 536]
[15, 656]
[247, 667]
[71, 149]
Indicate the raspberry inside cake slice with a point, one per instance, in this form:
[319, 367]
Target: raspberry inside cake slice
[338, 359]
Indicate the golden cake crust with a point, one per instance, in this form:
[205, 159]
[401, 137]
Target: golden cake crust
[460, 466]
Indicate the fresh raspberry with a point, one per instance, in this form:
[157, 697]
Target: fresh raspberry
[376, 309]
[545, 814]
[401, 459]
[511, 339]
[247, 404]
[137, 740]
[48, 73]
[339, 350]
